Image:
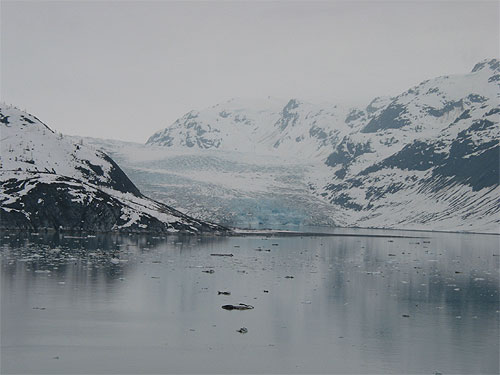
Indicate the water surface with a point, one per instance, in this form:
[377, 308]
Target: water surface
[143, 304]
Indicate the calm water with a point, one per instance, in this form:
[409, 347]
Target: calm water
[137, 304]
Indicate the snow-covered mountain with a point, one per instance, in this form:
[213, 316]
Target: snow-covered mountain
[259, 126]
[48, 181]
[429, 158]
[425, 159]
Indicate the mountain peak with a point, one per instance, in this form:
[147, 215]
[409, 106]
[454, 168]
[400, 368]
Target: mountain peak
[12, 116]
[292, 104]
[493, 64]
[48, 181]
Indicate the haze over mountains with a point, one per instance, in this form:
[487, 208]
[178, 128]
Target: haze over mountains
[262, 126]
[293, 125]
[425, 159]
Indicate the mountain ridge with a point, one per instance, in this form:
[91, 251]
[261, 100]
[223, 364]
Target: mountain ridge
[425, 159]
[439, 135]
[50, 182]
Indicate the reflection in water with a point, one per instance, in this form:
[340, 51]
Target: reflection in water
[142, 304]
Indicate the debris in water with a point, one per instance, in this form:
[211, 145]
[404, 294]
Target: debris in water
[222, 255]
[241, 306]
[406, 316]
[38, 308]
[224, 293]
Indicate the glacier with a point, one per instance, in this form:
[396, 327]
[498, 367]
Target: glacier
[426, 159]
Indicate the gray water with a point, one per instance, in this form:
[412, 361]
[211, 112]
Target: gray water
[139, 304]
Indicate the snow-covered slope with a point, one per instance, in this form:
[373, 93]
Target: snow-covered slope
[47, 181]
[428, 159]
[259, 126]
[425, 159]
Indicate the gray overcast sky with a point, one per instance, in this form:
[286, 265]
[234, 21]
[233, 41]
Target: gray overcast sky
[126, 69]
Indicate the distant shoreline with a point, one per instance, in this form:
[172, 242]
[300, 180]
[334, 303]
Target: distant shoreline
[278, 233]
[238, 232]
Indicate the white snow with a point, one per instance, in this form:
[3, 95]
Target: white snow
[250, 161]
[31, 154]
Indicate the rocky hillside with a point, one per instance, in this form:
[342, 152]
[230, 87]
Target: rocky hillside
[429, 157]
[48, 181]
